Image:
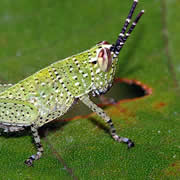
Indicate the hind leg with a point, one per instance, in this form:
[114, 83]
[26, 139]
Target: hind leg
[29, 161]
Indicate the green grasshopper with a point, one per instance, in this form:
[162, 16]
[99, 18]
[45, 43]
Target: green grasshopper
[49, 93]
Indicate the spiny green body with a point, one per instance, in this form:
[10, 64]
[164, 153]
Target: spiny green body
[49, 93]
[52, 90]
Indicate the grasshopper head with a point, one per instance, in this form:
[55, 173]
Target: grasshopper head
[107, 55]
[109, 52]
[103, 67]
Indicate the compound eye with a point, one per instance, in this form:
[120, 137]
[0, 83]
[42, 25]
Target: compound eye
[103, 42]
[104, 59]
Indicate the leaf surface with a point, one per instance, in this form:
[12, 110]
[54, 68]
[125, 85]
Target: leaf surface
[34, 34]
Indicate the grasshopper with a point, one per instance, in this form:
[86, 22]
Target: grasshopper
[50, 92]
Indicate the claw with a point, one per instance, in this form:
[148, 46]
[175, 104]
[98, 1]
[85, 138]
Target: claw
[130, 144]
[124, 140]
[29, 162]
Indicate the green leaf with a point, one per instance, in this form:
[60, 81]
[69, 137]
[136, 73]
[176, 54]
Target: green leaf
[34, 34]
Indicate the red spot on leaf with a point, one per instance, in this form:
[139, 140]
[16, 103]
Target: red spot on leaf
[160, 105]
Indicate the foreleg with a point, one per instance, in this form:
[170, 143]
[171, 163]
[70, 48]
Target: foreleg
[107, 119]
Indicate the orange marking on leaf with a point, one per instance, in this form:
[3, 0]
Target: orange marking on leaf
[159, 105]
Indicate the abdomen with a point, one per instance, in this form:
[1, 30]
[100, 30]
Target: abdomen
[17, 113]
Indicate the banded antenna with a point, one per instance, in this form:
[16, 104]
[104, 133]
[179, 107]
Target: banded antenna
[123, 36]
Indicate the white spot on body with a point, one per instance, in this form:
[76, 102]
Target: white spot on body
[6, 123]
[68, 93]
[84, 82]
[77, 84]
[85, 75]
[55, 72]
[92, 74]
[58, 77]
[57, 90]
[74, 77]
[98, 71]
[87, 91]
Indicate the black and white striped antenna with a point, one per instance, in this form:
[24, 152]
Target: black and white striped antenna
[123, 36]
